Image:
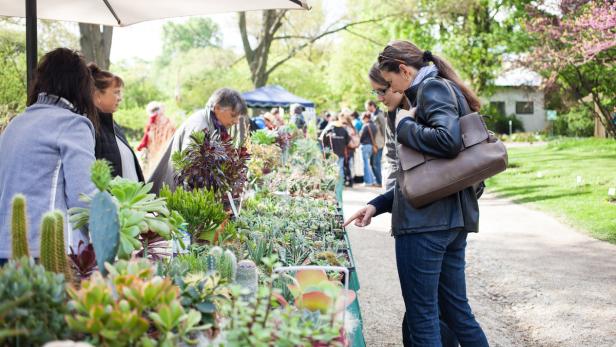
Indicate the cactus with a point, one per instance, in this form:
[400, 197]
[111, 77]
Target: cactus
[104, 229]
[216, 251]
[247, 278]
[19, 227]
[211, 263]
[227, 266]
[60, 248]
[48, 235]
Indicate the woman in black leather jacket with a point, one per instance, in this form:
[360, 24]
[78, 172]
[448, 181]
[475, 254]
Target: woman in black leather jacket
[430, 241]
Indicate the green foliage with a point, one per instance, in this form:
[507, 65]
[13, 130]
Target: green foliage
[578, 122]
[12, 73]
[60, 248]
[5, 308]
[19, 228]
[196, 32]
[256, 322]
[48, 304]
[263, 137]
[138, 93]
[138, 210]
[204, 293]
[199, 208]
[121, 311]
[101, 174]
[499, 123]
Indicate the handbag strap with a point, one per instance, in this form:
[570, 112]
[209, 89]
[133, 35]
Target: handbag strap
[451, 92]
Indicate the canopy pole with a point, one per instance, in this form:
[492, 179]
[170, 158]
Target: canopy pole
[31, 40]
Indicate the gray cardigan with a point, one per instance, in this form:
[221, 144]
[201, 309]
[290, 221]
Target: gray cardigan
[46, 155]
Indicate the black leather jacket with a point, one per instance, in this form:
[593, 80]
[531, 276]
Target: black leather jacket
[106, 146]
[435, 131]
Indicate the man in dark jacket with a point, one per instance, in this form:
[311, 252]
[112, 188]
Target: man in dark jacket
[336, 138]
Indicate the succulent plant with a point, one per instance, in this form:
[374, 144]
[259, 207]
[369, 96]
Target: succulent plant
[19, 227]
[136, 212]
[83, 260]
[24, 277]
[313, 291]
[132, 308]
[200, 208]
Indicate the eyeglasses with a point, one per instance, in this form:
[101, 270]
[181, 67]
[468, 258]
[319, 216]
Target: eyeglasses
[380, 92]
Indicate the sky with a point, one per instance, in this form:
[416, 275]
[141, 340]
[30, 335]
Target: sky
[144, 40]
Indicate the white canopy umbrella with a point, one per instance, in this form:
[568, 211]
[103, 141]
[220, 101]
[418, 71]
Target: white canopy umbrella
[124, 12]
[127, 12]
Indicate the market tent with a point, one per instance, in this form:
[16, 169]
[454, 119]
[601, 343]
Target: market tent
[123, 12]
[274, 96]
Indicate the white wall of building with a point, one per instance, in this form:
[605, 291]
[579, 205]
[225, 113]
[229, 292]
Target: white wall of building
[510, 95]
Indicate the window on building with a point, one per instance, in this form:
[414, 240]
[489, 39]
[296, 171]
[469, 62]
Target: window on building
[524, 107]
[498, 107]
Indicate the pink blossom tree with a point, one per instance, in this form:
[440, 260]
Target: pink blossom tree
[576, 48]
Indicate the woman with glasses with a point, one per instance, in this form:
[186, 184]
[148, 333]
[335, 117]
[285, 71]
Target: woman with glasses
[111, 144]
[393, 101]
[430, 241]
[222, 112]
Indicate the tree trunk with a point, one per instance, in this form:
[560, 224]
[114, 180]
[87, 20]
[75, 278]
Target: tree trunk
[257, 58]
[96, 44]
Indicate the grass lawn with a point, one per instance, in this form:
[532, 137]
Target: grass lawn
[546, 176]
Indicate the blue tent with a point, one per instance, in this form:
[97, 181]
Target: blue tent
[273, 96]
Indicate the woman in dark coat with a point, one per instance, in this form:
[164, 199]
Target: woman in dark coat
[111, 144]
[430, 241]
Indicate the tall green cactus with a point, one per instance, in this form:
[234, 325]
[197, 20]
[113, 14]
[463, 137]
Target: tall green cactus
[48, 236]
[228, 266]
[60, 248]
[19, 227]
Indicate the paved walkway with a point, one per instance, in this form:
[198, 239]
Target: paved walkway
[532, 281]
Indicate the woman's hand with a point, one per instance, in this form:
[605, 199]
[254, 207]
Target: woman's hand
[362, 217]
[402, 114]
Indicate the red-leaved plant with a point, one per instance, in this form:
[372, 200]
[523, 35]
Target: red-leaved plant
[212, 161]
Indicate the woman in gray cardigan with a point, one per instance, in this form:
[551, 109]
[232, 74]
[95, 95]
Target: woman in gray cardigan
[47, 151]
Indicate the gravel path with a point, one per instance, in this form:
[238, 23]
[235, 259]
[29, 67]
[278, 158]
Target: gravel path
[532, 281]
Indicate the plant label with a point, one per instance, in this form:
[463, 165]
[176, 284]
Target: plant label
[578, 179]
[539, 174]
[611, 192]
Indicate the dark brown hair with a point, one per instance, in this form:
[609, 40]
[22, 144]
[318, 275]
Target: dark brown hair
[404, 52]
[64, 73]
[366, 115]
[375, 75]
[104, 79]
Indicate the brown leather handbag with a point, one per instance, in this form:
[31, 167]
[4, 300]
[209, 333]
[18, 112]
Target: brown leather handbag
[425, 179]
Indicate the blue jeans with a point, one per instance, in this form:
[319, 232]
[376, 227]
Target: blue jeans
[431, 271]
[341, 168]
[375, 162]
[366, 153]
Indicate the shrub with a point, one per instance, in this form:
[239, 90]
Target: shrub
[43, 317]
[577, 122]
